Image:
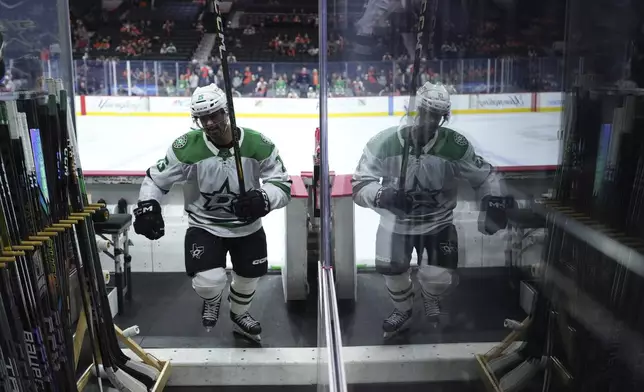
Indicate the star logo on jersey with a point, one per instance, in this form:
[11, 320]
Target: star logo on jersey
[221, 199]
[423, 197]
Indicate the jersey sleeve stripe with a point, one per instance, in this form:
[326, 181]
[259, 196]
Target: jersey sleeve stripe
[147, 173]
[358, 185]
[282, 186]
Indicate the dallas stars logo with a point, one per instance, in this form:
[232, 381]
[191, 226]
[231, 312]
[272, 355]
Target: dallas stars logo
[221, 199]
[196, 251]
[180, 142]
[423, 197]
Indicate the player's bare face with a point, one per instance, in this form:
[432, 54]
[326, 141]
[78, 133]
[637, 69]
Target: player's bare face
[216, 126]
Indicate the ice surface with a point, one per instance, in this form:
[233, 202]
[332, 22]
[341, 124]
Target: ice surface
[135, 143]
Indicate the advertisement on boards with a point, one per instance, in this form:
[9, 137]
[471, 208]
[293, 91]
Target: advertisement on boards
[550, 101]
[116, 104]
[501, 102]
[178, 105]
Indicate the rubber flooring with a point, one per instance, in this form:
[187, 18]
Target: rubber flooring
[167, 311]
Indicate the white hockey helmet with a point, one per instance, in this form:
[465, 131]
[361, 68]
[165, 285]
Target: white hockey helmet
[435, 98]
[207, 100]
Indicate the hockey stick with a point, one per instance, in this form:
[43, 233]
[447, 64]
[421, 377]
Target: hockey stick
[131, 375]
[17, 380]
[423, 38]
[219, 29]
[27, 272]
[139, 371]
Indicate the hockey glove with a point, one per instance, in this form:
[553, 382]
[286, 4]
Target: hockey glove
[253, 205]
[492, 217]
[148, 220]
[394, 200]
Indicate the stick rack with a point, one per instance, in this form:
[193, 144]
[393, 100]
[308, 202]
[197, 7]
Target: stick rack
[164, 367]
[483, 360]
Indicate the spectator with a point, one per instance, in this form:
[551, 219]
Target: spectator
[194, 82]
[303, 81]
[262, 88]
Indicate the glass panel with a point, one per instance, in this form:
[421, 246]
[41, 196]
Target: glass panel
[92, 77]
[122, 80]
[502, 65]
[35, 46]
[446, 181]
[130, 111]
[595, 202]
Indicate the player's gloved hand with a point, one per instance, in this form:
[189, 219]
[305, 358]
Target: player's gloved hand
[492, 217]
[253, 205]
[148, 220]
[394, 200]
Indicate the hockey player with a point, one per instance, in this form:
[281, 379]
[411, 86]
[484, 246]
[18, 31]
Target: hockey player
[377, 13]
[220, 221]
[420, 217]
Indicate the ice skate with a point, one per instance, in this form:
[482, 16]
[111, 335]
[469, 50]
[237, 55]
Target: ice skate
[210, 312]
[432, 306]
[245, 325]
[397, 322]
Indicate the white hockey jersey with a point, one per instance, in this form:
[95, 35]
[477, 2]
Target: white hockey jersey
[432, 178]
[210, 178]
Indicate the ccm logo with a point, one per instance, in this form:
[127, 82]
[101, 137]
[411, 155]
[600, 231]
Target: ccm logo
[259, 261]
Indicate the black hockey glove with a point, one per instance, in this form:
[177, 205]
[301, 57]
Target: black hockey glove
[148, 220]
[394, 200]
[253, 205]
[492, 217]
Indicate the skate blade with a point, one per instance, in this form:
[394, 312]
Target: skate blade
[208, 329]
[442, 319]
[433, 320]
[254, 338]
[391, 335]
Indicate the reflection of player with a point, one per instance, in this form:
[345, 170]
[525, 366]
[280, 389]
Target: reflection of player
[376, 14]
[420, 217]
[220, 221]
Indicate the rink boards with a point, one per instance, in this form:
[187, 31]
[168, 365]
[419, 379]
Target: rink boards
[309, 108]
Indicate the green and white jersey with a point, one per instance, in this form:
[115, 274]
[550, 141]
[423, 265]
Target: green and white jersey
[210, 178]
[432, 178]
